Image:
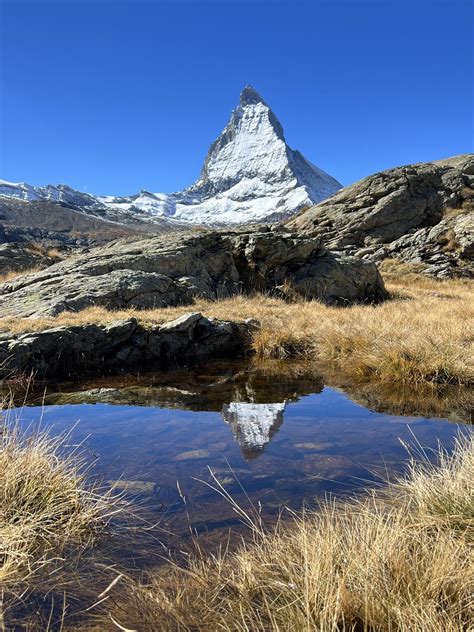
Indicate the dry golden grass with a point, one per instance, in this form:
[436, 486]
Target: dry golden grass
[46, 505]
[52, 253]
[423, 335]
[13, 274]
[401, 560]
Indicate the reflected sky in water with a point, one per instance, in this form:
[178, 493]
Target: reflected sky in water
[268, 453]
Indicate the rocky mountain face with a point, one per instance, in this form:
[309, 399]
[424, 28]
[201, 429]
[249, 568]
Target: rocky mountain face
[422, 213]
[175, 269]
[249, 175]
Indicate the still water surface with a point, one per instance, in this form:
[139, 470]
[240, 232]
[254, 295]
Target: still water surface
[270, 440]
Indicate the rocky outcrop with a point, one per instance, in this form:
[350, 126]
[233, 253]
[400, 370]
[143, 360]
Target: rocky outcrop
[176, 269]
[18, 257]
[421, 213]
[123, 345]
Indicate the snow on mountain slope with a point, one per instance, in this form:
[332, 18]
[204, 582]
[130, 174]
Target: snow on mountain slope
[59, 193]
[249, 175]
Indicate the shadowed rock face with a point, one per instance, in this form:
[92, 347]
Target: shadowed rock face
[421, 213]
[19, 257]
[120, 346]
[174, 270]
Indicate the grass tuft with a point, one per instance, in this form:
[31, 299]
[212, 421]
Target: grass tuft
[13, 274]
[46, 505]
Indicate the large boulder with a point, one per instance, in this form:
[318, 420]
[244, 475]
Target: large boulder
[174, 270]
[422, 213]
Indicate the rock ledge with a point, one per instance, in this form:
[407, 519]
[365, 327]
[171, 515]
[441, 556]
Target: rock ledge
[121, 346]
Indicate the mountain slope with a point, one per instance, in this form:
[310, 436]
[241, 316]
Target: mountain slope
[59, 223]
[250, 173]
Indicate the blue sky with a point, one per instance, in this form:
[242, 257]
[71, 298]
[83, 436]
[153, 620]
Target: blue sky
[113, 97]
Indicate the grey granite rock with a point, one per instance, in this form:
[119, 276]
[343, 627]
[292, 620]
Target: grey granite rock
[413, 213]
[123, 345]
[173, 270]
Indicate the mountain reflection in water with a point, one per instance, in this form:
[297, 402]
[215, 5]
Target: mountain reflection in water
[253, 424]
[271, 437]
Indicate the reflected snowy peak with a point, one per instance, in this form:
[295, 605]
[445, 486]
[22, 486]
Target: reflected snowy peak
[253, 425]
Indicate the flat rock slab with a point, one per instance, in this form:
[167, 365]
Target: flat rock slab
[175, 269]
[121, 346]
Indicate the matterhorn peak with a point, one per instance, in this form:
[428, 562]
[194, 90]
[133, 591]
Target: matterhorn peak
[250, 95]
[249, 175]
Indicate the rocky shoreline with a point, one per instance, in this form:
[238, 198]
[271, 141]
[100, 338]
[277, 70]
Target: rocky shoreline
[121, 346]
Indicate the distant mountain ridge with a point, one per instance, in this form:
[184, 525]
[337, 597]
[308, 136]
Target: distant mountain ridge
[249, 175]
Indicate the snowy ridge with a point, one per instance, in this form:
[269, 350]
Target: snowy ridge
[59, 193]
[253, 424]
[249, 175]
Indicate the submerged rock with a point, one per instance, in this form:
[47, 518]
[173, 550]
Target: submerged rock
[422, 213]
[174, 270]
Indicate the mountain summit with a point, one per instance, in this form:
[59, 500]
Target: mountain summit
[249, 175]
[250, 95]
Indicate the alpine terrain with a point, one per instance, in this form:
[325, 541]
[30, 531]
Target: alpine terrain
[249, 175]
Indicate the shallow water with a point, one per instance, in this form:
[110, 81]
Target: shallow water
[270, 440]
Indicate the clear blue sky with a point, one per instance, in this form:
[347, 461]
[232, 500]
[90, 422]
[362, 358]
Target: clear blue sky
[114, 97]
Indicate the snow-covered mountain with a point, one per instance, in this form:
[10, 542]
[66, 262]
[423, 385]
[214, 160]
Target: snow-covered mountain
[249, 175]
[253, 425]
[59, 193]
